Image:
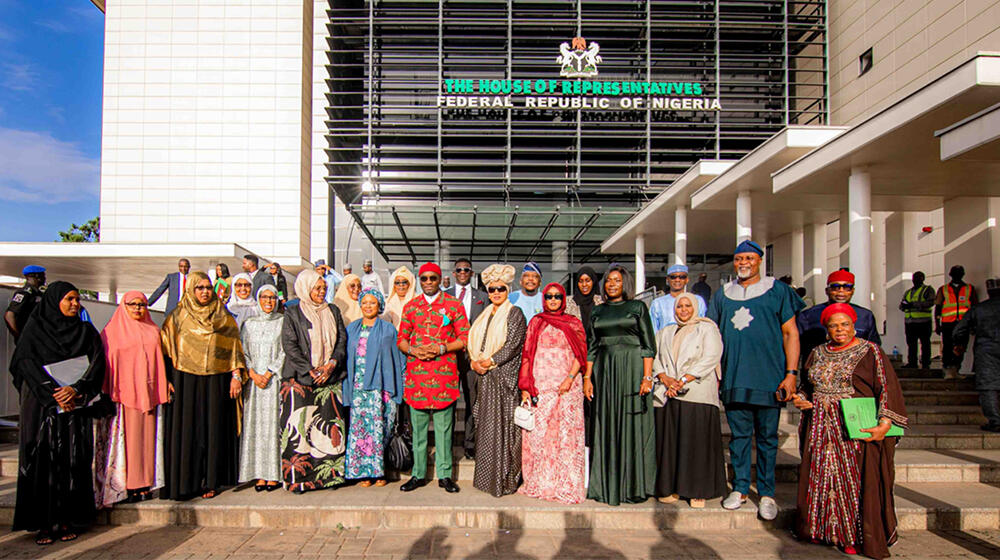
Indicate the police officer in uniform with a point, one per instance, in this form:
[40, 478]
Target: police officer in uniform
[24, 300]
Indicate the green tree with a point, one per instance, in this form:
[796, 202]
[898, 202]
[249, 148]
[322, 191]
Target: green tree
[89, 232]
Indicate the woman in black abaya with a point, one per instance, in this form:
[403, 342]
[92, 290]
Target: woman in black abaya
[55, 484]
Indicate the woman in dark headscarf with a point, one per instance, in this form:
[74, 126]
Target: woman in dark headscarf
[206, 367]
[55, 483]
[585, 297]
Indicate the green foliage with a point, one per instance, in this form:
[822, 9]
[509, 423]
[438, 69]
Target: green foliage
[285, 435]
[89, 232]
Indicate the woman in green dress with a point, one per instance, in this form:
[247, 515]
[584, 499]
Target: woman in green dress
[620, 351]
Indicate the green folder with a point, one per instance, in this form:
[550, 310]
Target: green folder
[860, 413]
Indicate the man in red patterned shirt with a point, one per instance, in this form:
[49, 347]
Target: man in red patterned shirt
[432, 330]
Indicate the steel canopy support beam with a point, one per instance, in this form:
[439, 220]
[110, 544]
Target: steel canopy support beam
[506, 241]
[586, 226]
[472, 245]
[545, 232]
[402, 233]
[361, 223]
[437, 225]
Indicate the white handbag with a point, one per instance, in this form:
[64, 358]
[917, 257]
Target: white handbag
[524, 418]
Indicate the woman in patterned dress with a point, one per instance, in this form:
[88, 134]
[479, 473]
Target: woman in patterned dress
[495, 343]
[553, 454]
[312, 413]
[260, 454]
[845, 485]
[373, 389]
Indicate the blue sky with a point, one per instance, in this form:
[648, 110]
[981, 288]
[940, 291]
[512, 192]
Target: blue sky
[51, 80]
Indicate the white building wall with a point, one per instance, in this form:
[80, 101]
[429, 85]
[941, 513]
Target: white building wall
[206, 127]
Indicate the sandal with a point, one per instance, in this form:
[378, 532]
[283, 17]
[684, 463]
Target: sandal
[260, 487]
[273, 486]
[381, 482]
[365, 483]
[69, 536]
[210, 494]
[44, 539]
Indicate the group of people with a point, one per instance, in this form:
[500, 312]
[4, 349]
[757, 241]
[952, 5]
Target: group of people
[589, 396]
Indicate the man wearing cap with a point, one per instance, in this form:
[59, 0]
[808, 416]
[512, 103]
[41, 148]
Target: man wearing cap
[370, 279]
[756, 316]
[347, 269]
[701, 287]
[952, 302]
[432, 330]
[332, 277]
[174, 285]
[23, 301]
[661, 311]
[529, 299]
[983, 321]
[839, 289]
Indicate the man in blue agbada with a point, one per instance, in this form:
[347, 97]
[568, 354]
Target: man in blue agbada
[661, 311]
[529, 298]
[756, 316]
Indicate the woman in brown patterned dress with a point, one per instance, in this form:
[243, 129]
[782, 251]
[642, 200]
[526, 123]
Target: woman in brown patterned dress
[845, 485]
[495, 343]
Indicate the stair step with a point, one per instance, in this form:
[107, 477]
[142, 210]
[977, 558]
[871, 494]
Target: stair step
[919, 373]
[941, 398]
[919, 506]
[935, 384]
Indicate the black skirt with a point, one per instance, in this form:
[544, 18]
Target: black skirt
[200, 446]
[55, 482]
[689, 451]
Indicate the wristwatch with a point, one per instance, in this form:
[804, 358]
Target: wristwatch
[442, 350]
[792, 372]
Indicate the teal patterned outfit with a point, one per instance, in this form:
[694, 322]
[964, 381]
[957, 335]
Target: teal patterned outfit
[373, 416]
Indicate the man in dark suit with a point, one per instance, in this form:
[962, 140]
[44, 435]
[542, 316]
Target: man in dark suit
[258, 277]
[474, 301]
[174, 285]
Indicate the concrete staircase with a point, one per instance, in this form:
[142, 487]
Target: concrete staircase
[947, 471]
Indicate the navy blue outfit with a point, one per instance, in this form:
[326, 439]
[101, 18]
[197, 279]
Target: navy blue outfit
[753, 365]
[812, 333]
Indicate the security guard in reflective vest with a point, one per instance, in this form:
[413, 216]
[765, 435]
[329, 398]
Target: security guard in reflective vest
[24, 300]
[953, 300]
[917, 307]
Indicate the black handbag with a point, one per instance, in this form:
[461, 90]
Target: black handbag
[399, 450]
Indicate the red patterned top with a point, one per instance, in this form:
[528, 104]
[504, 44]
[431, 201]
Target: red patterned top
[432, 384]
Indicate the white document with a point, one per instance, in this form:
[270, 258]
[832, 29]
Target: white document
[68, 372]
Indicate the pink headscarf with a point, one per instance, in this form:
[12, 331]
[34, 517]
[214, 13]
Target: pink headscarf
[136, 376]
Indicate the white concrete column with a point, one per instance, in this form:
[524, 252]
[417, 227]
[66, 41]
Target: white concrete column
[798, 256]
[444, 254]
[859, 209]
[815, 277]
[744, 215]
[560, 257]
[640, 263]
[680, 235]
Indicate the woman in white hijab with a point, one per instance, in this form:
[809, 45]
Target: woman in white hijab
[312, 412]
[242, 304]
[686, 397]
[346, 298]
[495, 343]
[404, 286]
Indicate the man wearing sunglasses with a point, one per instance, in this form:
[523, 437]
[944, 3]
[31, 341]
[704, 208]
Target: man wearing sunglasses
[432, 331]
[839, 289]
[473, 301]
[661, 311]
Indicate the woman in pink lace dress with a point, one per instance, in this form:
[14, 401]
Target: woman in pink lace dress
[552, 455]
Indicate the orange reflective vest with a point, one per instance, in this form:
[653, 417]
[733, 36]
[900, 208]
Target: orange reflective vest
[954, 308]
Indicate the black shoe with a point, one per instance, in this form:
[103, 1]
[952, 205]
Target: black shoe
[449, 485]
[988, 427]
[413, 484]
[470, 455]
[908, 366]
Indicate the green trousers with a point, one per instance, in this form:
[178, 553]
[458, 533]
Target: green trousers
[444, 424]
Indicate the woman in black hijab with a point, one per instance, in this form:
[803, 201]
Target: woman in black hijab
[585, 296]
[55, 483]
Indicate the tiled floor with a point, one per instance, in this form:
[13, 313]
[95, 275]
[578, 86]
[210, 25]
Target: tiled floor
[190, 543]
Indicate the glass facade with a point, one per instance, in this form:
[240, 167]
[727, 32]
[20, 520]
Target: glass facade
[391, 143]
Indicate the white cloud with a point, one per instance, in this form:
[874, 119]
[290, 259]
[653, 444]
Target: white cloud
[35, 167]
[18, 77]
[53, 25]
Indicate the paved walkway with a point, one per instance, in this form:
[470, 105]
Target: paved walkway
[190, 543]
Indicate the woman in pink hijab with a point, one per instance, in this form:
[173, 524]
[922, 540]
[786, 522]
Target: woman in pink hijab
[136, 380]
